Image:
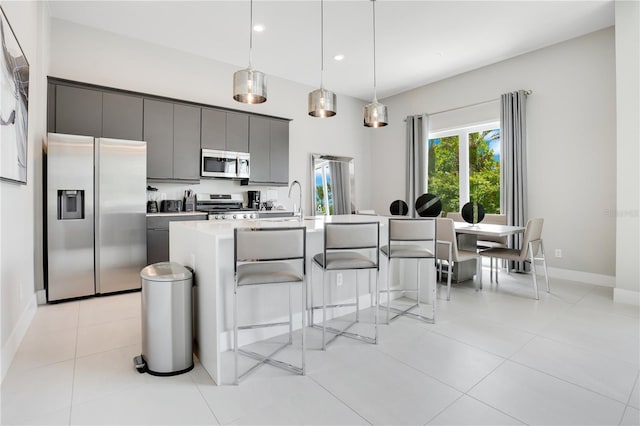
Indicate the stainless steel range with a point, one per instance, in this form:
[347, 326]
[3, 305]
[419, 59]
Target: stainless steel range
[224, 206]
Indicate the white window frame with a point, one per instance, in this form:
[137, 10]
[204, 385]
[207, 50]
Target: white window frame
[463, 154]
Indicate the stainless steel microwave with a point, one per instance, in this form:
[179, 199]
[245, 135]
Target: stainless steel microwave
[224, 164]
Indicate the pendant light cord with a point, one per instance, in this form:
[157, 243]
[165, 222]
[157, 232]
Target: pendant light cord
[251, 34]
[375, 96]
[321, 44]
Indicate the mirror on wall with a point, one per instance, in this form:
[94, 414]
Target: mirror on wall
[333, 184]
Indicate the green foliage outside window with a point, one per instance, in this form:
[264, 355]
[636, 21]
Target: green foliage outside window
[484, 171]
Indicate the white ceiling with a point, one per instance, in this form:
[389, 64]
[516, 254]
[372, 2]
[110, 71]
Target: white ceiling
[418, 42]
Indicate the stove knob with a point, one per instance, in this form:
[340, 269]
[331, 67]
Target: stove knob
[234, 216]
[222, 217]
[216, 217]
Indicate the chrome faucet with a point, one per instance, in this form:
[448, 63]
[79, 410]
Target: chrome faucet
[300, 199]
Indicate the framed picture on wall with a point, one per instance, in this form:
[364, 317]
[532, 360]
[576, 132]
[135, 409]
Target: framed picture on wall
[14, 105]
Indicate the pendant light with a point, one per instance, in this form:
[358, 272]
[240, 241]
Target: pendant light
[375, 113]
[249, 85]
[322, 102]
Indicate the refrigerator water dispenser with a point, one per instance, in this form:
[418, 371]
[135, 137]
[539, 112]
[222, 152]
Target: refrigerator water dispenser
[70, 204]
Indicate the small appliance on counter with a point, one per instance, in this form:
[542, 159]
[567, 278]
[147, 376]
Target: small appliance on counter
[152, 199]
[253, 200]
[224, 206]
[189, 201]
[170, 206]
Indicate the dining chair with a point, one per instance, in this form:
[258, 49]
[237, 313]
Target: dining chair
[347, 246]
[447, 249]
[487, 242]
[531, 245]
[410, 239]
[269, 257]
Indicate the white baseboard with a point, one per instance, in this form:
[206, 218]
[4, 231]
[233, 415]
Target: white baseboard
[10, 348]
[41, 296]
[628, 297]
[583, 277]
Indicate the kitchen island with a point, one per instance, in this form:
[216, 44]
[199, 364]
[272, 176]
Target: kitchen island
[207, 247]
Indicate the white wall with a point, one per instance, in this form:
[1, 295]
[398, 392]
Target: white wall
[84, 54]
[628, 144]
[571, 142]
[20, 204]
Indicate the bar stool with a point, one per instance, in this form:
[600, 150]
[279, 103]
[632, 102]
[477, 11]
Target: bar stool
[410, 239]
[266, 257]
[345, 248]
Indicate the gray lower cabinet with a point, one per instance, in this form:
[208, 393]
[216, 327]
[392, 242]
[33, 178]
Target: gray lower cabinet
[121, 116]
[172, 132]
[158, 235]
[78, 111]
[269, 149]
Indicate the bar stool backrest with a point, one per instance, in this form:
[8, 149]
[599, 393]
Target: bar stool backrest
[269, 244]
[352, 236]
[412, 229]
[446, 232]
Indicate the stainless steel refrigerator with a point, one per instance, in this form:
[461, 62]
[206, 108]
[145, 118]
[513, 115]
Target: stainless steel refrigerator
[96, 213]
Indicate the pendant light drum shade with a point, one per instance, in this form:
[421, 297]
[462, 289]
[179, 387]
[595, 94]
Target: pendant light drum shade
[249, 86]
[375, 115]
[322, 103]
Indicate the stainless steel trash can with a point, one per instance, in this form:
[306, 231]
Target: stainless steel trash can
[167, 337]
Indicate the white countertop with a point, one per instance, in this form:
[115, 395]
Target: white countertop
[224, 229]
[176, 214]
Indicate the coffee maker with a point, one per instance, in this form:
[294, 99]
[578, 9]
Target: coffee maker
[253, 200]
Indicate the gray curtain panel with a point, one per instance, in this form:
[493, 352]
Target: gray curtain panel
[341, 187]
[417, 159]
[513, 174]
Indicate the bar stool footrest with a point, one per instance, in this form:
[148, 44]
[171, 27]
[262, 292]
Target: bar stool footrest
[405, 312]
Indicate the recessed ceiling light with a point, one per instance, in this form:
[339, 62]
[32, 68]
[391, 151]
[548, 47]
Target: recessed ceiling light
[258, 28]
[339, 57]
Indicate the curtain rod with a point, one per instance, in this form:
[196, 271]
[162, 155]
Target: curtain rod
[526, 92]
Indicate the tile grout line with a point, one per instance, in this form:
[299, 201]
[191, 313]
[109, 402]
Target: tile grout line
[205, 400]
[624, 412]
[338, 399]
[75, 360]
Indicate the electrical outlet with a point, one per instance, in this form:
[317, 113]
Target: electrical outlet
[339, 279]
[558, 253]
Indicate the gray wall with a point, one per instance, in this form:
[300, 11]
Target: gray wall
[571, 142]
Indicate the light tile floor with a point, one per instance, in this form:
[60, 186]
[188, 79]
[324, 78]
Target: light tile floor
[494, 357]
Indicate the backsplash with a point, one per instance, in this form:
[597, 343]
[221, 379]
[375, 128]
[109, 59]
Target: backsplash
[175, 191]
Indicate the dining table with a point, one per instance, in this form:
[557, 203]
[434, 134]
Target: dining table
[468, 235]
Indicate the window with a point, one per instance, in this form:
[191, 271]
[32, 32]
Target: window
[324, 192]
[464, 165]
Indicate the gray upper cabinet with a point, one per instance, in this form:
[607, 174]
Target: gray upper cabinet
[51, 107]
[269, 149]
[186, 142]
[175, 131]
[237, 132]
[214, 129]
[78, 111]
[158, 133]
[225, 131]
[121, 116]
[279, 152]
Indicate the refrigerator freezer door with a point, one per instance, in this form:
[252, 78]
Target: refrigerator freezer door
[120, 228]
[69, 236]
